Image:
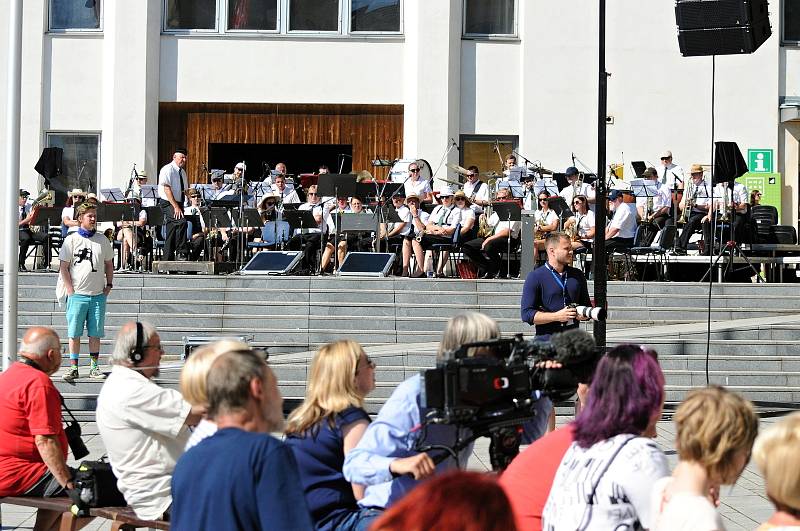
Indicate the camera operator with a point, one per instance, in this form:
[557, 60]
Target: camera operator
[33, 445]
[549, 290]
[385, 460]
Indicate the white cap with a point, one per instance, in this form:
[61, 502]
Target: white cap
[241, 166]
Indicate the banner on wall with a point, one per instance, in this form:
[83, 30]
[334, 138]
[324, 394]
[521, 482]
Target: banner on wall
[769, 184]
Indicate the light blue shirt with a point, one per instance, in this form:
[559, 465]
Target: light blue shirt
[394, 434]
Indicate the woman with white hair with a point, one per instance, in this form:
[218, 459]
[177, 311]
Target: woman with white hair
[777, 454]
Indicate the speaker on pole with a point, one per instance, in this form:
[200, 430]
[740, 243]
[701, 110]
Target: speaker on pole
[721, 27]
[729, 163]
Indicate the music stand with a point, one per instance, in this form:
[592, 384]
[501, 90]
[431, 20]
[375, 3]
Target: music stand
[150, 193]
[49, 217]
[112, 194]
[508, 211]
[559, 205]
[352, 222]
[546, 185]
[115, 212]
[302, 220]
[638, 168]
[365, 190]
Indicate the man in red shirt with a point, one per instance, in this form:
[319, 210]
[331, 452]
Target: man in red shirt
[33, 446]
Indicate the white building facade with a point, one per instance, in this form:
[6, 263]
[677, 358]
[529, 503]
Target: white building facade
[97, 73]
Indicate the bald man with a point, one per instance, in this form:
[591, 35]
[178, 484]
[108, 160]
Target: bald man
[33, 446]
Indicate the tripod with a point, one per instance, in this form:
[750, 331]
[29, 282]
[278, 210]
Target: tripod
[730, 245]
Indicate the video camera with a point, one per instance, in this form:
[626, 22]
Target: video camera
[488, 386]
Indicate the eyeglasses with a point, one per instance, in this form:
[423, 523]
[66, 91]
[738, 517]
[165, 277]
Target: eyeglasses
[413, 170]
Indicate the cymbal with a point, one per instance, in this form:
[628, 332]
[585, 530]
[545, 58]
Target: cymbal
[539, 169]
[449, 181]
[490, 174]
[457, 168]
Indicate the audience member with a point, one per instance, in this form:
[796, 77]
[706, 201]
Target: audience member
[144, 427]
[606, 476]
[715, 432]
[240, 478]
[777, 454]
[33, 446]
[466, 501]
[193, 383]
[386, 459]
[327, 426]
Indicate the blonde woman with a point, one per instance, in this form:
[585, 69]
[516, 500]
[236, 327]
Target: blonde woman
[193, 382]
[715, 432]
[329, 424]
[777, 454]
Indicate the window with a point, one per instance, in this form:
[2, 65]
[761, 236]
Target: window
[191, 14]
[489, 18]
[254, 15]
[75, 14]
[313, 15]
[375, 15]
[791, 20]
[81, 158]
[481, 151]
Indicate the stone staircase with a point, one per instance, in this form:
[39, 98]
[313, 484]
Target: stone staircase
[753, 347]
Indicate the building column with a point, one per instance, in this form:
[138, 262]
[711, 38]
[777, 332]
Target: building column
[432, 80]
[132, 36]
[789, 166]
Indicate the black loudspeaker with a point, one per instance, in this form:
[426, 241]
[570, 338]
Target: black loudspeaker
[704, 14]
[272, 262]
[366, 264]
[721, 27]
[729, 163]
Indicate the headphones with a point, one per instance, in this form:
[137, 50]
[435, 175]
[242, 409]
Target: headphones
[136, 354]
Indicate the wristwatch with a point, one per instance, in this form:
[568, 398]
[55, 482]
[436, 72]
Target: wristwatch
[109, 285]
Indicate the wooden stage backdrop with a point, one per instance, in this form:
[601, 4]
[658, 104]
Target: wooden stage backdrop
[371, 129]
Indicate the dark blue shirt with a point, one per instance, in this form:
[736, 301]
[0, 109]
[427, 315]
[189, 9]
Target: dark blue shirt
[542, 291]
[238, 480]
[320, 457]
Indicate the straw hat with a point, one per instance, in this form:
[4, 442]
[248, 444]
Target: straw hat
[696, 168]
[461, 193]
[77, 191]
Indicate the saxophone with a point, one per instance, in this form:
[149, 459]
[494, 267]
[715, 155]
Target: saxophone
[649, 212]
[539, 232]
[484, 230]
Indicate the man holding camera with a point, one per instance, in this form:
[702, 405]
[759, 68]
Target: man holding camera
[550, 292]
[144, 426]
[33, 445]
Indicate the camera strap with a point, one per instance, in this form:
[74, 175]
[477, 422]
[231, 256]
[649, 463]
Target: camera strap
[31, 363]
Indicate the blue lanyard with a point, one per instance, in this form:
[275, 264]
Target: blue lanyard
[561, 283]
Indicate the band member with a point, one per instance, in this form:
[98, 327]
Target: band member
[698, 205]
[199, 234]
[323, 169]
[442, 224]
[545, 220]
[670, 173]
[280, 169]
[276, 230]
[333, 218]
[583, 219]
[130, 240]
[171, 185]
[218, 188]
[26, 235]
[288, 196]
[511, 162]
[476, 190]
[419, 219]
[141, 179]
[396, 232]
[309, 240]
[657, 209]
[720, 214]
[622, 229]
[486, 252]
[416, 185]
[574, 188]
[69, 223]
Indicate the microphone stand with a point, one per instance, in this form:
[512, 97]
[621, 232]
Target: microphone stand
[450, 147]
[241, 236]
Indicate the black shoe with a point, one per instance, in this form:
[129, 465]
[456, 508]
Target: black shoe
[22, 268]
[679, 252]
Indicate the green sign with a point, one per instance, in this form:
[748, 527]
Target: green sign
[759, 160]
[768, 184]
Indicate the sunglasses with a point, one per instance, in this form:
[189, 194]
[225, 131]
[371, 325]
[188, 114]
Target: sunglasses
[415, 170]
[542, 199]
[461, 198]
[578, 202]
[216, 180]
[270, 203]
[311, 193]
[665, 158]
[142, 178]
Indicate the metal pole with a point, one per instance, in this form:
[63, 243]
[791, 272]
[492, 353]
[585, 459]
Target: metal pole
[599, 247]
[11, 249]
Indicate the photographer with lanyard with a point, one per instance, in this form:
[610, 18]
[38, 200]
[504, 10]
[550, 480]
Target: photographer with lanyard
[547, 296]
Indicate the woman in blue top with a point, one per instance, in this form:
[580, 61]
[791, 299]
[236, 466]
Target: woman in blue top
[329, 424]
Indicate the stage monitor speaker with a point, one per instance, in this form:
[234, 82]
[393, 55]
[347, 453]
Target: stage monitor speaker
[366, 264]
[704, 14]
[721, 27]
[272, 262]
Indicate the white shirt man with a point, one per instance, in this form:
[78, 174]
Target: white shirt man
[288, 196]
[173, 176]
[668, 172]
[313, 204]
[572, 189]
[144, 426]
[722, 196]
[623, 224]
[662, 201]
[476, 190]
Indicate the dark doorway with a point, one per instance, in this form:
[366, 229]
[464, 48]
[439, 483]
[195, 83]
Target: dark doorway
[299, 158]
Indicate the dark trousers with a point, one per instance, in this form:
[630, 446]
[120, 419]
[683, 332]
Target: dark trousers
[309, 244]
[488, 259]
[196, 246]
[723, 233]
[175, 239]
[692, 224]
[26, 238]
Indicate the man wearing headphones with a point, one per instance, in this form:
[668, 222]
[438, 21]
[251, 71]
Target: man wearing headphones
[143, 426]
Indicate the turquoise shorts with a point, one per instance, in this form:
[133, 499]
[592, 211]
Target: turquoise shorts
[88, 310]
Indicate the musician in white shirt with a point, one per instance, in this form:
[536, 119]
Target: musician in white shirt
[662, 201]
[669, 173]
[476, 190]
[288, 195]
[416, 185]
[574, 188]
[700, 200]
[441, 225]
[722, 198]
[585, 220]
[419, 219]
[309, 239]
[622, 229]
[545, 220]
[396, 232]
[486, 252]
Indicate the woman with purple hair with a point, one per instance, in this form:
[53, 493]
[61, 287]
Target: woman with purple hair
[606, 477]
